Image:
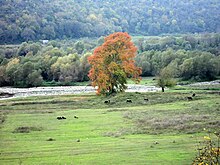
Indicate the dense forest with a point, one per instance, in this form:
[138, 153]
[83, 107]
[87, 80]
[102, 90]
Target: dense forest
[34, 20]
[189, 57]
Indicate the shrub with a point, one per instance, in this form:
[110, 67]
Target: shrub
[208, 151]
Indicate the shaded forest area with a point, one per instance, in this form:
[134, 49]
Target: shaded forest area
[34, 20]
[189, 57]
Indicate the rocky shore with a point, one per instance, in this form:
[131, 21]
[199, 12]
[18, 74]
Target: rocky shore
[9, 92]
[216, 82]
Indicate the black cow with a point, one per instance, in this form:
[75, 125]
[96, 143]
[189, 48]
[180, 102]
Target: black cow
[59, 118]
[189, 98]
[107, 101]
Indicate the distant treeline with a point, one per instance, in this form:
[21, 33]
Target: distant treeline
[32, 63]
[195, 57]
[33, 20]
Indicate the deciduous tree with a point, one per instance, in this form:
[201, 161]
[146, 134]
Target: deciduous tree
[165, 78]
[112, 63]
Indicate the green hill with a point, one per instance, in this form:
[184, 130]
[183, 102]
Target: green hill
[24, 20]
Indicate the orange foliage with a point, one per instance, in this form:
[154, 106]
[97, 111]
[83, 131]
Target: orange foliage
[112, 63]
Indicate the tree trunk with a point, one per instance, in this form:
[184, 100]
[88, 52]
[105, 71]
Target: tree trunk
[112, 90]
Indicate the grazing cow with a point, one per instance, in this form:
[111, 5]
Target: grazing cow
[76, 117]
[145, 99]
[78, 140]
[129, 101]
[193, 95]
[59, 118]
[50, 139]
[189, 98]
[107, 101]
[63, 117]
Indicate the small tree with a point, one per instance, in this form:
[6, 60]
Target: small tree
[112, 63]
[165, 78]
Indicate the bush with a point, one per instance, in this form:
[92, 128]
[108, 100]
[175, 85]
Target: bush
[208, 151]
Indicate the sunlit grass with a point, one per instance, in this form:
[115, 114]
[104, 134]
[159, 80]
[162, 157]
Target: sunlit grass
[162, 130]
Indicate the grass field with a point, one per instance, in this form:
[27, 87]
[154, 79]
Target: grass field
[155, 128]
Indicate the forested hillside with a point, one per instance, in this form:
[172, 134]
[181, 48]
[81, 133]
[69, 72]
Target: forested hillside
[25, 20]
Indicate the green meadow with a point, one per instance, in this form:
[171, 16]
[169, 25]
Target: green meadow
[155, 128]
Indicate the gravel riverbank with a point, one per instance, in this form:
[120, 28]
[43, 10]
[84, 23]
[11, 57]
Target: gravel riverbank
[216, 82]
[62, 90]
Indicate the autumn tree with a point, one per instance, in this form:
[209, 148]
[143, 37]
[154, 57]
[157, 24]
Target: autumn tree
[112, 63]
